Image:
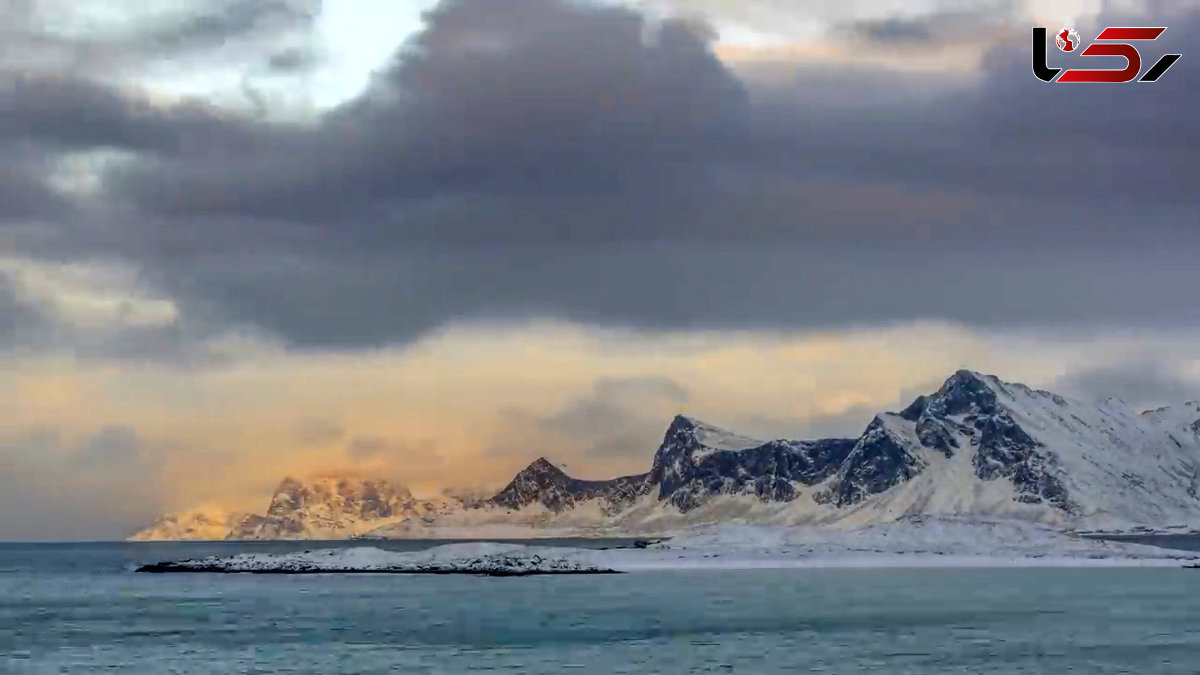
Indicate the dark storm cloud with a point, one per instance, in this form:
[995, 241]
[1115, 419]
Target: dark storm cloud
[397, 296]
[293, 60]
[24, 191]
[68, 113]
[473, 136]
[21, 323]
[1013, 143]
[536, 100]
[963, 24]
[556, 159]
[221, 22]
[1141, 145]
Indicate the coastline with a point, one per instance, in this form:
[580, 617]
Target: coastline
[914, 543]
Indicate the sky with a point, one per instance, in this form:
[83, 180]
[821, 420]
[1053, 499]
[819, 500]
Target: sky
[432, 241]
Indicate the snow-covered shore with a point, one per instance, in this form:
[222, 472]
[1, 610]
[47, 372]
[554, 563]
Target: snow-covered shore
[482, 558]
[914, 542]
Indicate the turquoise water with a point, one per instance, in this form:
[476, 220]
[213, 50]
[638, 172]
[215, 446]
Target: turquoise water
[78, 608]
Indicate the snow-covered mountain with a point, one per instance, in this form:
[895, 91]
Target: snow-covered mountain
[326, 507]
[333, 507]
[200, 524]
[977, 446]
[545, 484]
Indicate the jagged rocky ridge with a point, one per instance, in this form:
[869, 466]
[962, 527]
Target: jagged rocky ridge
[977, 445]
[543, 483]
[324, 507]
[309, 509]
[974, 438]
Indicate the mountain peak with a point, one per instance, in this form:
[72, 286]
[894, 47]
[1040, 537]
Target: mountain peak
[542, 465]
[964, 392]
[542, 482]
[709, 435]
[965, 376]
[683, 423]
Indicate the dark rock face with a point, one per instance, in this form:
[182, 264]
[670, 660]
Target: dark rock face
[688, 469]
[936, 433]
[1005, 450]
[1002, 448]
[877, 462]
[687, 472]
[965, 393]
[543, 483]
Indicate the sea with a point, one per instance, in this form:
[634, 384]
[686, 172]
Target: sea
[80, 608]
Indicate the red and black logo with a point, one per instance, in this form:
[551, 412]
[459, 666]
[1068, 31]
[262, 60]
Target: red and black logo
[1115, 43]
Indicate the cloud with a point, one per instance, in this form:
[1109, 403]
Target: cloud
[399, 454]
[112, 446]
[91, 489]
[966, 23]
[71, 113]
[318, 433]
[611, 428]
[623, 225]
[641, 182]
[1143, 383]
[366, 447]
[95, 309]
[472, 405]
[222, 22]
[25, 192]
[619, 418]
[127, 37]
[19, 322]
[292, 60]
[469, 109]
